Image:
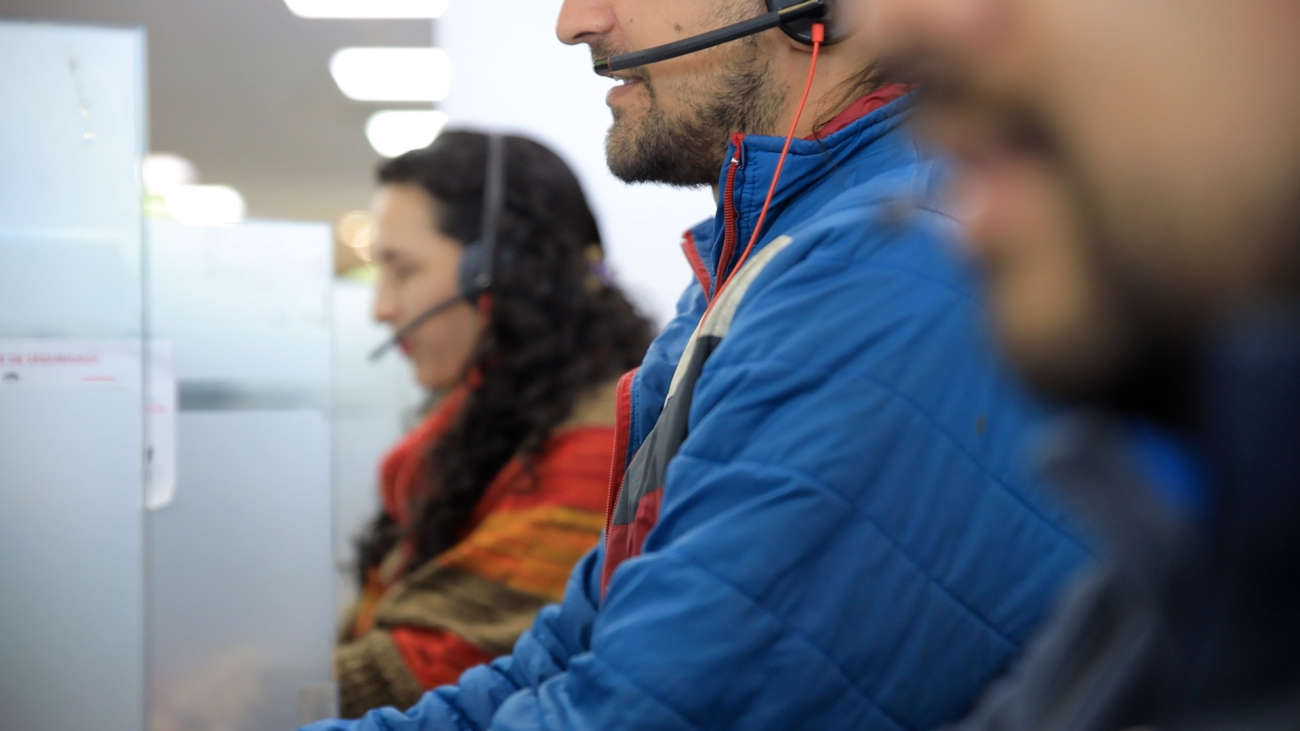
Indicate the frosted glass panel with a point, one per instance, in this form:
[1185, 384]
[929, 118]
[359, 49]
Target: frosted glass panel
[241, 601]
[71, 403]
[72, 126]
[56, 282]
[247, 303]
[70, 559]
[242, 617]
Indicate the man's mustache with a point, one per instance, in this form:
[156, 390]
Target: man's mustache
[601, 50]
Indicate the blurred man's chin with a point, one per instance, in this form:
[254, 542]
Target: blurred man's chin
[1072, 366]
[1114, 374]
[1057, 381]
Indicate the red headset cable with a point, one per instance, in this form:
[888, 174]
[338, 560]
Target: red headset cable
[818, 37]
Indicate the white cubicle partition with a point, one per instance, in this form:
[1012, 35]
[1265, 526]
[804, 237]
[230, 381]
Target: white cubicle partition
[241, 594]
[71, 401]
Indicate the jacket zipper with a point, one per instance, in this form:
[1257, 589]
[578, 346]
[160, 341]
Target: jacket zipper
[729, 218]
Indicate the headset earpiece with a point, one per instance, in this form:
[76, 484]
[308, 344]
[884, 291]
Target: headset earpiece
[801, 29]
[474, 275]
[479, 258]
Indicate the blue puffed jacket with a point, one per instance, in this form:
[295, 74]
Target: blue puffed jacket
[820, 514]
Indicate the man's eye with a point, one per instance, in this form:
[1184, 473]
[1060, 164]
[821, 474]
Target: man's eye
[402, 272]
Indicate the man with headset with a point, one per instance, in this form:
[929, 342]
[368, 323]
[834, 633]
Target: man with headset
[819, 515]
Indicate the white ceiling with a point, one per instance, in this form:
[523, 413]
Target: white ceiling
[242, 88]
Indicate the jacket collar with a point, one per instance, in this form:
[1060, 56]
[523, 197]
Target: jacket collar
[849, 155]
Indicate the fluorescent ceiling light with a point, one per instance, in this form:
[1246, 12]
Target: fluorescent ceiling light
[392, 74]
[205, 205]
[367, 8]
[396, 131]
[163, 171]
[353, 229]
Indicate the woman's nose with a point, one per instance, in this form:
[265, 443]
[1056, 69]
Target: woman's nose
[385, 307]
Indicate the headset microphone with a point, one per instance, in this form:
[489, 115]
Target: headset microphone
[474, 276]
[795, 19]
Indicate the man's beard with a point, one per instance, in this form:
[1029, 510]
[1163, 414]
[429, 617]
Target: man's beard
[688, 149]
[1166, 320]
[1141, 345]
[1132, 351]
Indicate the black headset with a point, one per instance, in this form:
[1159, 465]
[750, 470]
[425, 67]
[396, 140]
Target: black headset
[795, 17]
[478, 260]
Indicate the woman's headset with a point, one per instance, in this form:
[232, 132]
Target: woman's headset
[795, 17]
[478, 260]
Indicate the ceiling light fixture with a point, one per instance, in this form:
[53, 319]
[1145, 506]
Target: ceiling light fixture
[396, 131]
[205, 205]
[163, 170]
[367, 8]
[353, 231]
[392, 74]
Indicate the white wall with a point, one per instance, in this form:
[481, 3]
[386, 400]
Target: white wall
[510, 73]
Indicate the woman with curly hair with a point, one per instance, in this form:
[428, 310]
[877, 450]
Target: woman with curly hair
[488, 504]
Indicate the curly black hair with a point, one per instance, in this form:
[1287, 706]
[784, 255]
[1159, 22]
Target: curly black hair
[557, 329]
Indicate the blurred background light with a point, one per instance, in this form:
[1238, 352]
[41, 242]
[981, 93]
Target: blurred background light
[353, 231]
[164, 170]
[205, 205]
[392, 74]
[395, 131]
[367, 8]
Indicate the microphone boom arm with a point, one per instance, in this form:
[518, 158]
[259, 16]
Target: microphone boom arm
[419, 320]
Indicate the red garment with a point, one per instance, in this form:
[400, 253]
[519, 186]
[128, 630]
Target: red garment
[403, 469]
[861, 108]
[529, 527]
[435, 656]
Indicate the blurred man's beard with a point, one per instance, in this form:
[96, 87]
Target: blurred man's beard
[1139, 352]
[1170, 269]
[1122, 350]
[1138, 346]
[688, 149]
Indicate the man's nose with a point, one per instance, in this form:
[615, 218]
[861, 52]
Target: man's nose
[582, 20]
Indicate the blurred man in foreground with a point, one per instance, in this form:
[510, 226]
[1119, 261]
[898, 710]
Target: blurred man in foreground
[1131, 175]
